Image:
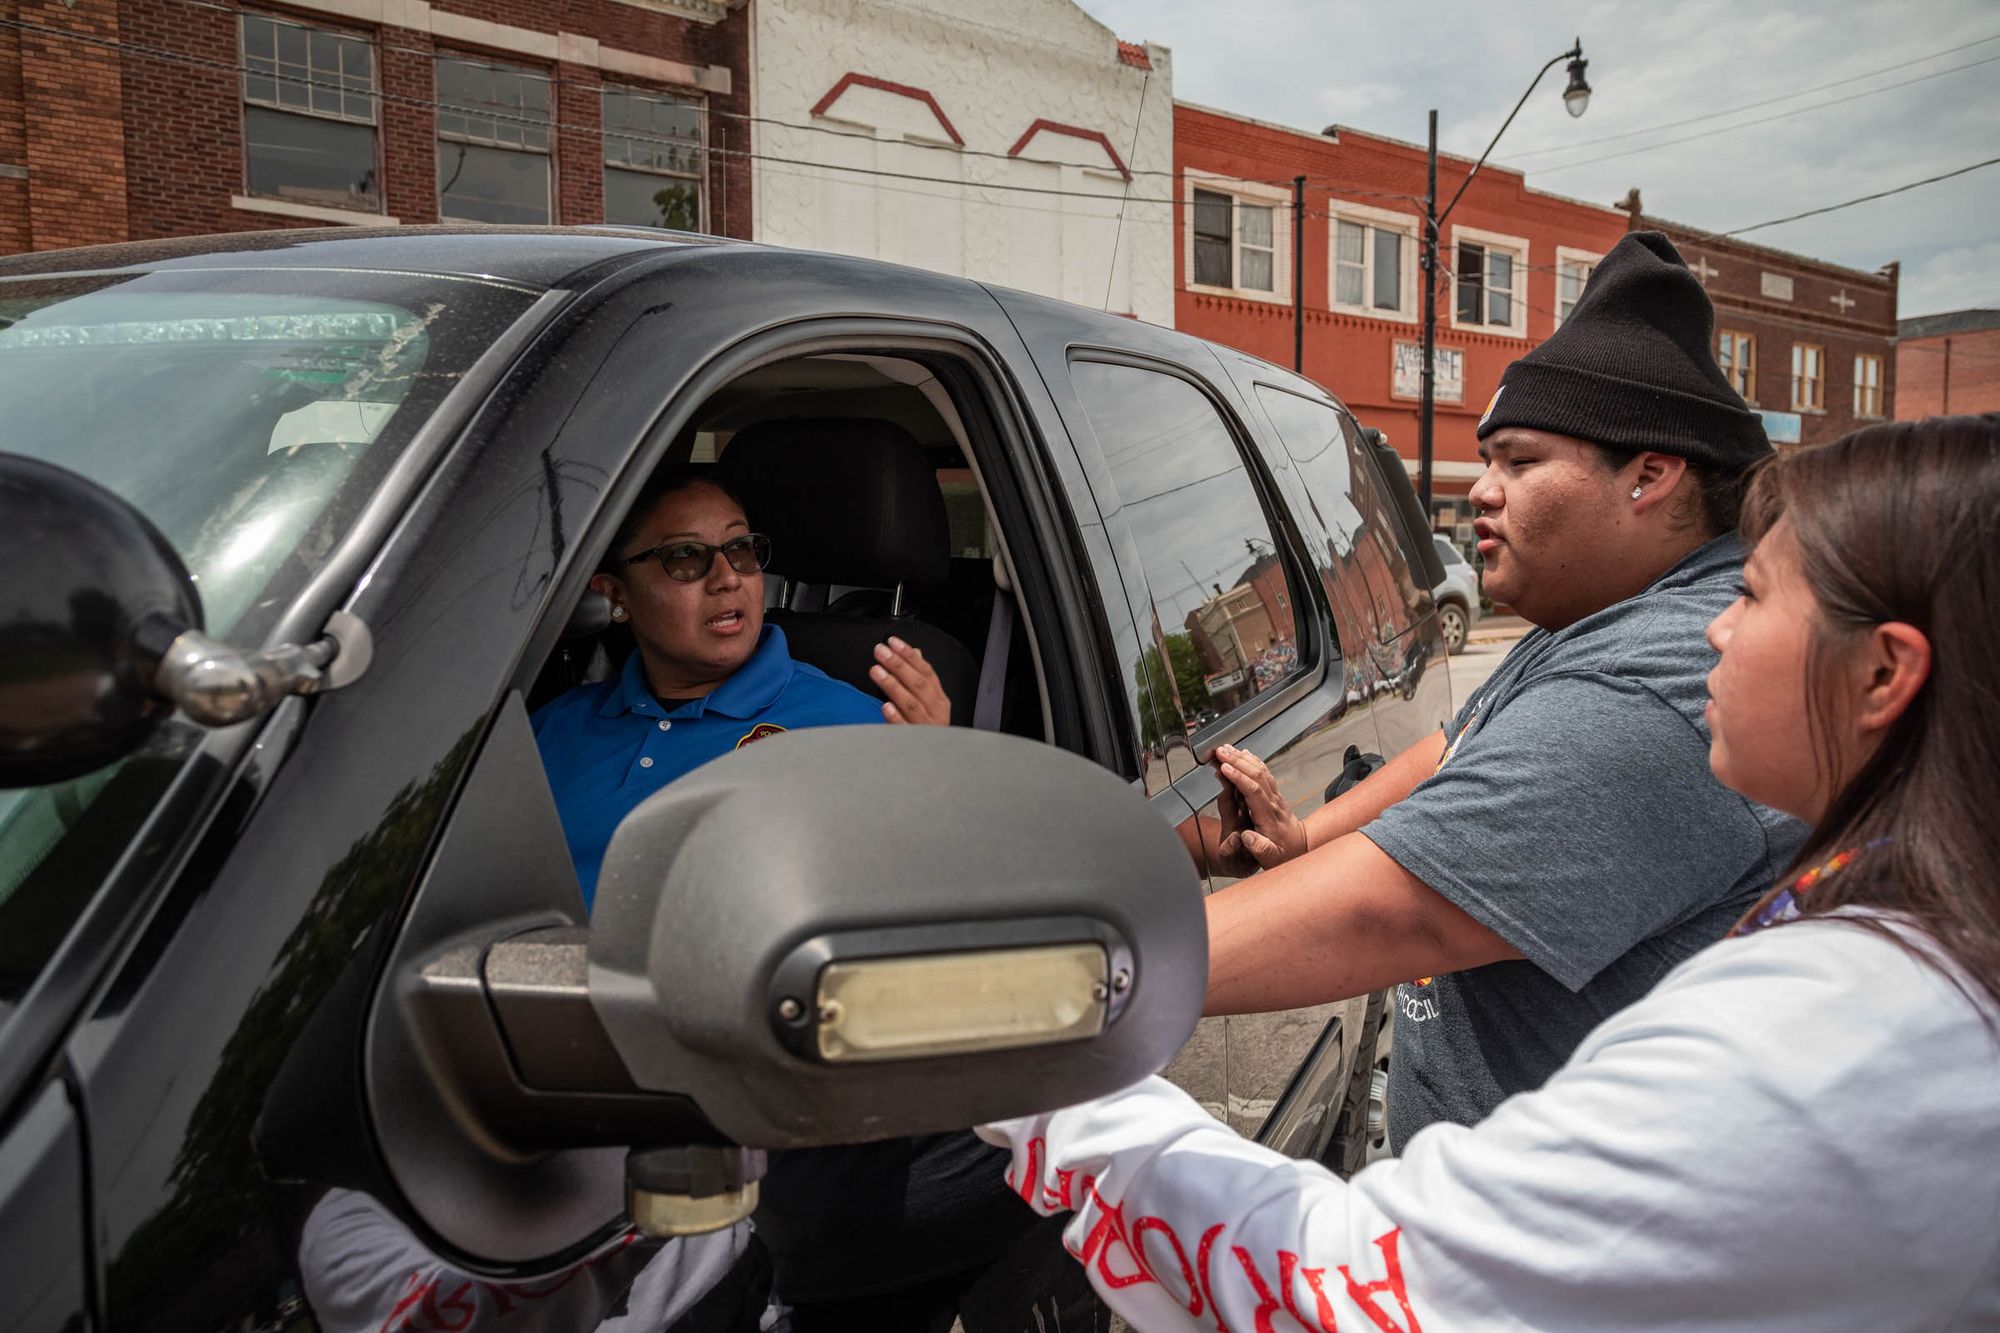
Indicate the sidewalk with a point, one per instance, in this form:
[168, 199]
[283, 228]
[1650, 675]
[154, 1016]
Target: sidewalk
[1498, 629]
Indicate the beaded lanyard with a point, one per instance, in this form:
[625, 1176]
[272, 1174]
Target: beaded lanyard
[1784, 905]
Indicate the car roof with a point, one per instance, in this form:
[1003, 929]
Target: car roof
[529, 256]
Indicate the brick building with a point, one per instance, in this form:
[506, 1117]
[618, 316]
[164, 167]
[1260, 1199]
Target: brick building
[133, 119]
[1511, 260]
[1811, 345]
[1948, 364]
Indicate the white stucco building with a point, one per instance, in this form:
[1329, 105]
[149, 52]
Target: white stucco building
[1018, 143]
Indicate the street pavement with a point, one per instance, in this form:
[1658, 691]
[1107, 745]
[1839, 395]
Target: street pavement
[1489, 641]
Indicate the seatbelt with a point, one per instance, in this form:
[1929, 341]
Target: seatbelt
[993, 667]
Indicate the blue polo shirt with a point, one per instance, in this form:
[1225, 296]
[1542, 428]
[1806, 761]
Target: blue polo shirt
[610, 745]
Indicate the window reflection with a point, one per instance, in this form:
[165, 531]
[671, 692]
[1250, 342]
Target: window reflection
[1224, 621]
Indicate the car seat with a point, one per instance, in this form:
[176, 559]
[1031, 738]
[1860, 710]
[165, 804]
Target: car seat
[851, 502]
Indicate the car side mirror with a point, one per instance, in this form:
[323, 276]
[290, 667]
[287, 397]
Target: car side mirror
[101, 633]
[828, 936]
[863, 932]
[92, 596]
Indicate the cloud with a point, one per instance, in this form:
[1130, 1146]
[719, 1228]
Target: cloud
[1960, 278]
[1346, 101]
[1304, 62]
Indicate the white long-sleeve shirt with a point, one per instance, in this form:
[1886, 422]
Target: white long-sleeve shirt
[1796, 1130]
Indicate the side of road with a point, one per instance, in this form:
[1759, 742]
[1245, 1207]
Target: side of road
[1496, 629]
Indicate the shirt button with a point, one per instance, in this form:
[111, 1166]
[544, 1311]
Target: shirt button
[666, 726]
[646, 762]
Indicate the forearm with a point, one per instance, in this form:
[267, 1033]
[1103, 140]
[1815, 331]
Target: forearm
[1354, 809]
[1168, 1220]
[1341, 921]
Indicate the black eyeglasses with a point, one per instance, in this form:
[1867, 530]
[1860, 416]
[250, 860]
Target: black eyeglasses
[688, 562]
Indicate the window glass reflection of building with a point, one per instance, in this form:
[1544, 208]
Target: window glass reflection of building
[1363, 573]
[1226, 627]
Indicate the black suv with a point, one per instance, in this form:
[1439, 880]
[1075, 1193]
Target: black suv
[300, 529]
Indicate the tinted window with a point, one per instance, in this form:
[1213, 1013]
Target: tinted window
[1363, 570]
[1223, 618]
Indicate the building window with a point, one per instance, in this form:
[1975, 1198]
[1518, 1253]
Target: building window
[1373, 262]
[1808, 378]
[1867, 386]
[1573, 270]
[309, 115]
[1234, 243]
[493, 142]
[1736, 353]
[1489, 272]
[653, 159]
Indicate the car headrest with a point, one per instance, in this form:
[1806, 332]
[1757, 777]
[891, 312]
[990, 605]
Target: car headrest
[844, 500]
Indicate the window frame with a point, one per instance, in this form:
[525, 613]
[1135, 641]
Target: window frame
[244, 101]
[1518, 248]
[439, 137]
[694, 98]
[1868, 394]
[1310, 616]
[1815, 401]
[1373, 219]
[1745, 366]
[1241, 194]
[1566, 256]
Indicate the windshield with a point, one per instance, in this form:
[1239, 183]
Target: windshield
[250, 414]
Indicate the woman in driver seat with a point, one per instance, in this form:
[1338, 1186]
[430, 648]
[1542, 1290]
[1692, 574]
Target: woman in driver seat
[708, 676]
[906, 1234]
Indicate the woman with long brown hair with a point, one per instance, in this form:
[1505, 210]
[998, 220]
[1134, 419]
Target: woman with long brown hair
[1800, 1127]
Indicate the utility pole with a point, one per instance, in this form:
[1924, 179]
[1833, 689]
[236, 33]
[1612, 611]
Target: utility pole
[1428, 263]
[1299, 274]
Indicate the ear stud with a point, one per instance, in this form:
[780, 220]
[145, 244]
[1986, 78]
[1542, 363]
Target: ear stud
[1637, 491]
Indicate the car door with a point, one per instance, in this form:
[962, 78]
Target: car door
[1239, 647]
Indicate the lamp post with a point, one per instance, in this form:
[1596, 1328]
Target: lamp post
[1575, 98]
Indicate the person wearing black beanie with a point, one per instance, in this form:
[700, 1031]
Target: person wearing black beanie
[1633, 368]
[1542, 861]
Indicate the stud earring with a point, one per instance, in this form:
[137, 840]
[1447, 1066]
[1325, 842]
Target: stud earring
[617, 613]
[1636, 493]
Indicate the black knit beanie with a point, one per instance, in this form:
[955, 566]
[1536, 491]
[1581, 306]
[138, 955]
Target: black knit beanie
[1633, 367]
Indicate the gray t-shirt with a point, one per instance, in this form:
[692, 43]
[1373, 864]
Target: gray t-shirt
[1574, 816]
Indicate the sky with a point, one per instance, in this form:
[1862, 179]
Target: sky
[1310, 63]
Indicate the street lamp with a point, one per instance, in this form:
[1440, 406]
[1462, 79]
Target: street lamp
[1576, 97]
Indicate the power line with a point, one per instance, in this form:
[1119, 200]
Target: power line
[1762, 120]
[1749, 106]
[1849, 203]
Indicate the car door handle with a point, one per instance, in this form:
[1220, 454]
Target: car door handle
[1356, 767]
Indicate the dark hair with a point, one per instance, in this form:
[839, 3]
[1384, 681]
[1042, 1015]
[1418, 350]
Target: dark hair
[669, 480]
[1901, 522]
[1717, 500]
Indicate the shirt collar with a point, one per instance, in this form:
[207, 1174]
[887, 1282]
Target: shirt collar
[754, 688]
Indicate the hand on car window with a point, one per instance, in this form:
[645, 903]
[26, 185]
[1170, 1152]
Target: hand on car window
[1259, 828]
[916, 695]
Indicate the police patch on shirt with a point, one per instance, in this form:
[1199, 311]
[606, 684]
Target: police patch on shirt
[759, 732]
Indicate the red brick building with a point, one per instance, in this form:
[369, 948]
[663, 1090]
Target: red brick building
[132, 119]
[1811, 345]
[1511, 261]
[1948, 364]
